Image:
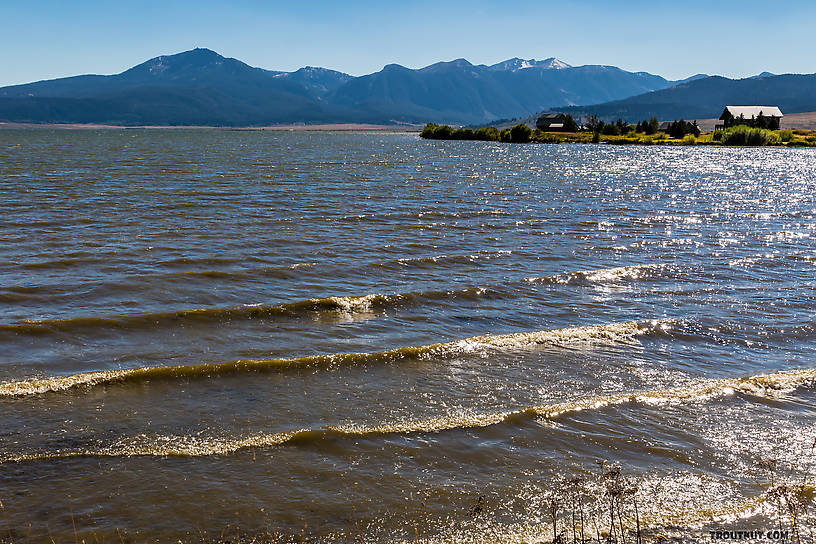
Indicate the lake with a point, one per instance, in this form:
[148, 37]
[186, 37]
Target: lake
[343, 336]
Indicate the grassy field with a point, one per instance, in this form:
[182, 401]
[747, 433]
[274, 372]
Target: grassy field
[802, 139]
[787, 138]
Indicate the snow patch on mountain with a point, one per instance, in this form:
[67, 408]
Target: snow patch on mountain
[515, 64]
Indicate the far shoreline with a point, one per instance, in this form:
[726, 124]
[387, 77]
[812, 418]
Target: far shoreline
[328, 127]
[647, 133]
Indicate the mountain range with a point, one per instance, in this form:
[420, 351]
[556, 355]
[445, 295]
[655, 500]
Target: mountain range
[705, 98]
[201, 87]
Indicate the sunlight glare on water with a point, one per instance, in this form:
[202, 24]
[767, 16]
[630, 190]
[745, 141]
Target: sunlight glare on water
[341, 335]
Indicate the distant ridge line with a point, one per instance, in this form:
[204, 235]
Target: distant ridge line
[202, 88]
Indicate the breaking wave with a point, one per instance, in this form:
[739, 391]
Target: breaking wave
[350, 305]
[767, 385]
[616, 332]
[347, 305]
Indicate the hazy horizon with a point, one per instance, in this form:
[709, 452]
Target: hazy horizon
[47, 40]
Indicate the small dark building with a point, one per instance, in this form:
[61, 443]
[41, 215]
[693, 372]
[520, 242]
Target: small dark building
[551, 122]
[665, 126]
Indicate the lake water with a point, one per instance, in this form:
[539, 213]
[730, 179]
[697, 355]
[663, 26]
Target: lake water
[340, 336]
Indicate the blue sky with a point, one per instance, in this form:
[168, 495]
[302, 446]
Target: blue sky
[42, 39]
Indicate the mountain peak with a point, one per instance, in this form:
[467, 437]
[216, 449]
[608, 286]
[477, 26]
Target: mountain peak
[195, 60]
[689, 79]
[394, 67]
[200, 51]
[319, 81]
[445, 65]
[515, 64]
[313, 69]
[197, 55]
[553, 63]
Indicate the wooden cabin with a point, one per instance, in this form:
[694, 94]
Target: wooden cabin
[551, 122]
[731, 114]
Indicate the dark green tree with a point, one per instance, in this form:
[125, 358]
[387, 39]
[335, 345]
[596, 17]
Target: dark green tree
[677, 129]
[569, 124]
[487, 134]
[443, 133]
[761, 121]
[593, 124]
[520, 134]
[429, 131]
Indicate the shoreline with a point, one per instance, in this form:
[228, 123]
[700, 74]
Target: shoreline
[328, 127]
[736, 136]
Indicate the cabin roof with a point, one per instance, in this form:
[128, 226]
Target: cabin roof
[551, 116]
[752, 111]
